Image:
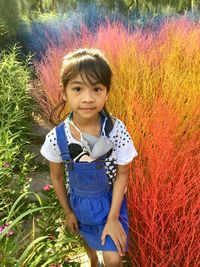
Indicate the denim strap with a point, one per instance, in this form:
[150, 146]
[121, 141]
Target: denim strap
[62, 142]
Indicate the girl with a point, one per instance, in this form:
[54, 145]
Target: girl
[96, 150]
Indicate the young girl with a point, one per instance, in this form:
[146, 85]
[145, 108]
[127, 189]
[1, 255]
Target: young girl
[96, 150]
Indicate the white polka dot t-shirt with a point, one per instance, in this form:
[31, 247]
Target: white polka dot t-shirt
[123, 151]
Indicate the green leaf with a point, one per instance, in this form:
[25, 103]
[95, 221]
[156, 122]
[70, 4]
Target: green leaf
[30, 246]
[17, 201]
[20, 217]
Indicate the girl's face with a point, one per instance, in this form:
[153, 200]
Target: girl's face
[86, 100]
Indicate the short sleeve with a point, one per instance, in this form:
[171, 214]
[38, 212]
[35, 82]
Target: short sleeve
[125, 148]
[50, 149]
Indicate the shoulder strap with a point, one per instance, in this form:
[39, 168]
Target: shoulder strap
[108, 124]
[62, 142]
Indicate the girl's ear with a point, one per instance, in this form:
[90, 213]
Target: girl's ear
[64, 97]
[64, 94]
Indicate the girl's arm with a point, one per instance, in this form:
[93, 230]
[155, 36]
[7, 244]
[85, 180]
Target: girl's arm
[113, 226]
[57, 179]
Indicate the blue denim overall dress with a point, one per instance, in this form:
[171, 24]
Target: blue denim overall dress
[90, 196]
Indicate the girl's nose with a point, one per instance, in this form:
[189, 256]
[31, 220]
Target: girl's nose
[87, 96]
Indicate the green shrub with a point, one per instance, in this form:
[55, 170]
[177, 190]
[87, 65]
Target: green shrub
[47, 241]
[13, 241]
[15, 112]
[15, 102]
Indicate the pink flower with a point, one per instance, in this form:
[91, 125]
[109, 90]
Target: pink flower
[6, 164]
[47, 187]
[3, 227]
[55, 265]
[10, 232]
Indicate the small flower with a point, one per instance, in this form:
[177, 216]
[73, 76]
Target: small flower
[51, 237]
[3, 227]
[47, 187]
[10, 232]
[6, 164]
[55, 265]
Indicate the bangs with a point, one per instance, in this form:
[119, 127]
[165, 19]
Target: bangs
[95, 72]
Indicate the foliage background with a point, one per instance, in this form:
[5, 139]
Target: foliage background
[155, 60]
[21, 21]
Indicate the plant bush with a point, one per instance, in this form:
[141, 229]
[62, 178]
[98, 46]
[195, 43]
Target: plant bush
[14, 127]
[53, 243]
[12, 239]
[14, 99]
[47, 242]
[163, 192]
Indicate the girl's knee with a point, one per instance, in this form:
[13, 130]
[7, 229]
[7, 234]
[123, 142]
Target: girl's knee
[112, 259]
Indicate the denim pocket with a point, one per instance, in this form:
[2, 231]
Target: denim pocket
[86, 181]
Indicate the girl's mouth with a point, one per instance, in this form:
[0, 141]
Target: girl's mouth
[87, 109]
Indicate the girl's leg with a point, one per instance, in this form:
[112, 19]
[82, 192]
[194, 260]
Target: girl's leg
[92, 254]
[112, 259]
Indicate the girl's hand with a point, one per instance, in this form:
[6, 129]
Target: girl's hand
[114, 229]
[72, 222]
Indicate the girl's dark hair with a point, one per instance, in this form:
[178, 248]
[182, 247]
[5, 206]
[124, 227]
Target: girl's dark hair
[91, 65]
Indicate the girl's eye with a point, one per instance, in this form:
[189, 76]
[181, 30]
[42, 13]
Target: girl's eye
[97, 89]
[76, 89]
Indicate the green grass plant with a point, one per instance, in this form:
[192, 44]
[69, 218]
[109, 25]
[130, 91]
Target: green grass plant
[60, 244]
[15, 113]
[40, 246]
[10, 244]
[14, 99]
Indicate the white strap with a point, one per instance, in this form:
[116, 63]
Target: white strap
[103, 128]
[83, 141]
[71, 121]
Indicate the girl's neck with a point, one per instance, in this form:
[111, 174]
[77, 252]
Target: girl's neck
[87, 125]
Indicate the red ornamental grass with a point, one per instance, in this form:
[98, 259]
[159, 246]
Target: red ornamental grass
[49, 94]
[163, 196]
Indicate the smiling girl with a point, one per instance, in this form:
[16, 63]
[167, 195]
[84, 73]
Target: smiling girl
[96, 150]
